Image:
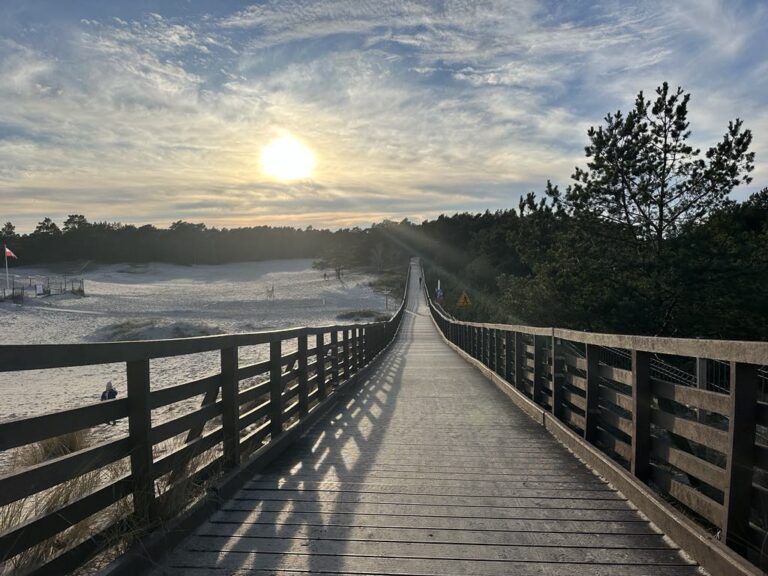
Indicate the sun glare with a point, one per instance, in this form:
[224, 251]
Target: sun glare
[286, 158]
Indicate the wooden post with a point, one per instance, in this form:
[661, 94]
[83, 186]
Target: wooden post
[538, 369]
[509, 356]
[139, 430]
[740, 465]
[303, 376]
[320, 344]
[641, 414]
[275, 388]
[334, 357]
[519, 360]
[354, 335]
[360, 349]
[701, 382]
[500, 353]
[346, 353]
[230, 408]
[557, 365]
[592, 412]
[492, 350]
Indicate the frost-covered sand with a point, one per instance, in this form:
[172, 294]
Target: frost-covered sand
[130, 302]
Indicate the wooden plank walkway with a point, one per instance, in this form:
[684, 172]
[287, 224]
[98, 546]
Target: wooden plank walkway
[427, 469]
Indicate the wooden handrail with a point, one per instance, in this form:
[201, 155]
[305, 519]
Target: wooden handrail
[299, 379]
[658, 430]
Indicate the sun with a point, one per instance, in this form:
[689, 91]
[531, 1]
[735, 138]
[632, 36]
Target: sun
[286, 158]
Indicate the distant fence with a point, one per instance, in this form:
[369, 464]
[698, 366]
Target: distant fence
[37, 286]
[232, 425]
[689, 417]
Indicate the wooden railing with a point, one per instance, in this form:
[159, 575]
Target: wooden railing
[232, 424]
[648, 404]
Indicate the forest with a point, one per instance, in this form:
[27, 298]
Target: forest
[645, 240]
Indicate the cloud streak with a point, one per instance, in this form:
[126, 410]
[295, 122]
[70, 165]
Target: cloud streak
[413, 108]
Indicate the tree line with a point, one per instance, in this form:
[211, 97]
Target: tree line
[645, 240]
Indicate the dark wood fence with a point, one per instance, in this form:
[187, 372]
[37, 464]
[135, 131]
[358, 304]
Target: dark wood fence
[688, 417]
[232, 424]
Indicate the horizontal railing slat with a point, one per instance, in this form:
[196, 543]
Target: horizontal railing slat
[245, 372]
[576, 381]
[617, 421]
[289, 359]
[179, 457]
[615, 397]
[28, 481]
[711, 401]
[35, 530]
[172, 394]
[15, 357]
[616, 444]
[701, 433]
[255, 439]
[688, 463]
[696, 501]
[22, 431]
[575, 399]
[573, 418]
[616, 374]
[291, 410]
[254, 415]
[253, 393]
[176, 426]
[576, 362]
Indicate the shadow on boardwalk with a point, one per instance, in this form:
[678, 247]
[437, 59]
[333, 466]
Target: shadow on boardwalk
[427, 469]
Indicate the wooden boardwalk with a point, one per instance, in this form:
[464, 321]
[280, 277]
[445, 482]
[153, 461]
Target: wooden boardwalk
[427, 469]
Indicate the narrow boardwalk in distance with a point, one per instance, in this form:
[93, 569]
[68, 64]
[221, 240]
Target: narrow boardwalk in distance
[426, 468]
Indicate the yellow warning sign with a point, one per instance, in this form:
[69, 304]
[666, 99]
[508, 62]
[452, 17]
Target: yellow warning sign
[463, 300]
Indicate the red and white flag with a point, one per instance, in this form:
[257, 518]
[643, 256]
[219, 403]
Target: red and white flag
[9, 254]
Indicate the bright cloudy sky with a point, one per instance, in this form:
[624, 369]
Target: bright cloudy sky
[143, 111]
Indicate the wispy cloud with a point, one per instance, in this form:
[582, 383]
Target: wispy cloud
[413, 108]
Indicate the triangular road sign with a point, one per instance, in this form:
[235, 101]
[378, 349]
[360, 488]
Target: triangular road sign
[463, 300]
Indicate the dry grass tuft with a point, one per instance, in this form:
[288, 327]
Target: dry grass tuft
[48, 501]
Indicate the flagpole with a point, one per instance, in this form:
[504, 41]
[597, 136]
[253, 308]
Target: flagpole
[7, 281]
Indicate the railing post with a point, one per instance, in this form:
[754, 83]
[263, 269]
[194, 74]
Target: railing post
[139, 430]
[520, 357]
[641, 414]
[275, 388]
[345, 338]
[230, 408]
[701, 382]
[557, 365]
[538, 372]
[492, 349]
[509, 356]
[320, 345]
[358, 348]
[592, 410]
[739, 468]
[334, 357]
[303, 376]
[499, 352]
